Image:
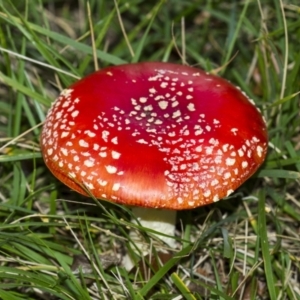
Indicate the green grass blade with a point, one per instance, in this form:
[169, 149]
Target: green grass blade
[265, 247]
[185, 292]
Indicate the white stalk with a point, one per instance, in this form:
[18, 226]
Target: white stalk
[160, 220]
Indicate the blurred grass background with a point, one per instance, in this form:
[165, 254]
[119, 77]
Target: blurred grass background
[246, 247]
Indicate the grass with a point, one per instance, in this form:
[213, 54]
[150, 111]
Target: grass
[246, 247]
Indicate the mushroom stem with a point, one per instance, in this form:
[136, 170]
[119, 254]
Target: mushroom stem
[160, 220]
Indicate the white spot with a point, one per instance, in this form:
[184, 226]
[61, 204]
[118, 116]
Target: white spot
[179, 200]
[116, 186]
[142, 141]
[115, 154]
[66, 93]
[90, 133]
[158, 122]
[259, 151]
[214, 182]
[58, 115]
[163, 104]
[240, 152]
[191, 107]
[198, 131]
[189, 97]
[148, 108]
[230, 161]
[75, 113]
[152, 90]
[155, 78]
[76, 158]
[111, 169]
[143, 99]
[207, 193]
[96, 147]
[176, 114]
[216, 198]
[102, 182]
[71, 174]
[183, 167]
[105, 135]
[133, 101]
[175, 103]
[71, 108]
[89, 186]
[49, 151]
[102, 154]
[83, 143]
[213, 142]
[65, 104]
[234, 131]
[218, 159]
[89, 163]
[244, 164]
[150, 120]
[198, 149]
[159, 97]
[115, 140]
[64, 151]
[229, 192]
[209, 150]
[227, 175]
[225, 147]
[164, 84]
[64, 134]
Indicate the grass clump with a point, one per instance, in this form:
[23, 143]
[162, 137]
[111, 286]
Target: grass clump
[55, 244]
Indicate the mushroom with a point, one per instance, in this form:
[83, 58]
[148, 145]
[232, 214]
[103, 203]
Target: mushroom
[158, 136]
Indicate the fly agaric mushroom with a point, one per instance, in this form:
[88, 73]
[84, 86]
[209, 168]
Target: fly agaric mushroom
[154, 135]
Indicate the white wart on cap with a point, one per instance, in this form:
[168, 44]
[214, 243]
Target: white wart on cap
[154, 135]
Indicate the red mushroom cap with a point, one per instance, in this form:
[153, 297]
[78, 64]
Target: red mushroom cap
[155, 135]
